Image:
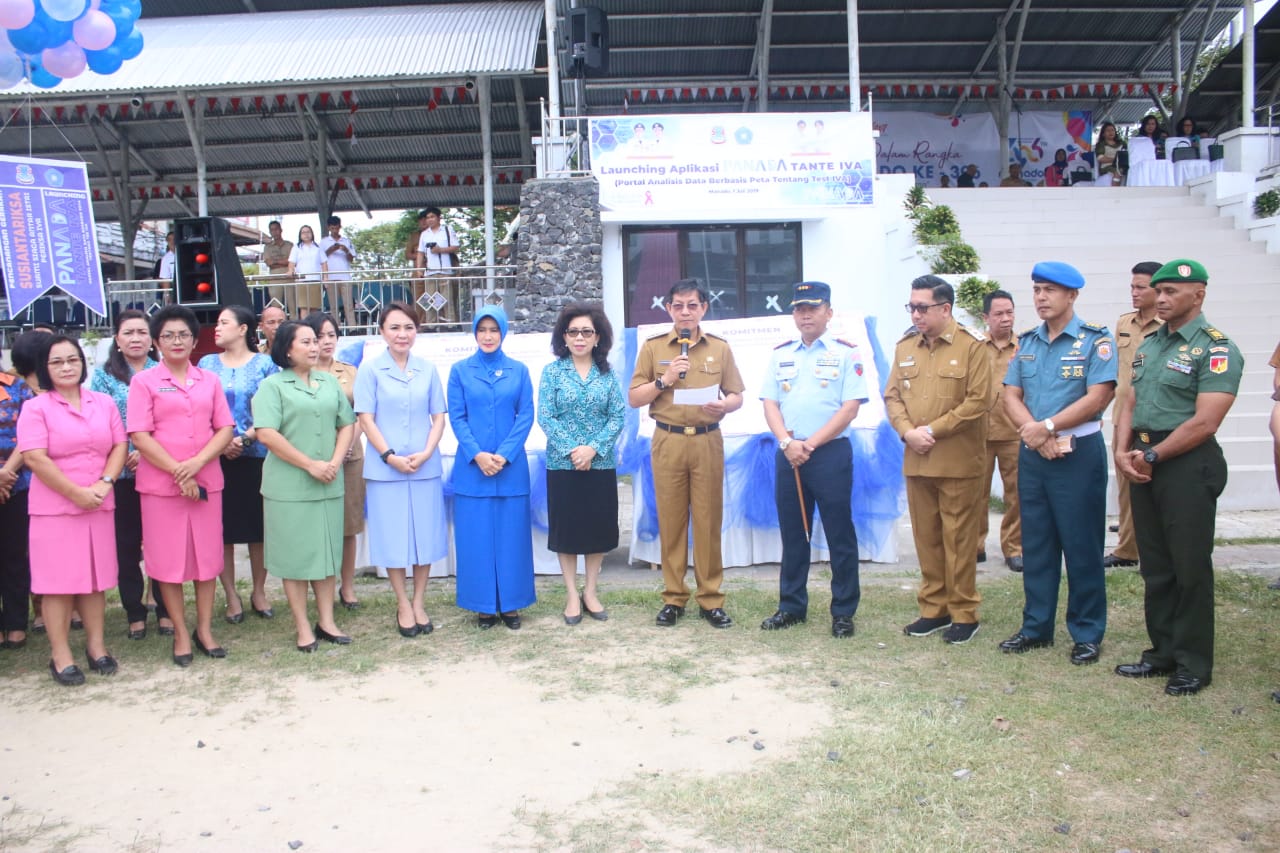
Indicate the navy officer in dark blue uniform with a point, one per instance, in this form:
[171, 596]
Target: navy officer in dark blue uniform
[811, 394]
[1058, 384]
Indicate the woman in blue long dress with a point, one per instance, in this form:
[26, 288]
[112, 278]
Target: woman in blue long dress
[491, 411]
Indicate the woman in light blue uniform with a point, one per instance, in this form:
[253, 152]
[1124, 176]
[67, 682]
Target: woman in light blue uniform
[491, 411]
[400, 404]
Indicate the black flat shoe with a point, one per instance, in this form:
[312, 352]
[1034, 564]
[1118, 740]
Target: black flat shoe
[183, 661]
[309, 647]
[411, 631]
[265, 613]
[573, 620]
[140, 634]
[165, 630]
[427, 628]
[336, 639]
[350, 605]
[69, 677]
[215, 652]
[600, 615]
[105, 665]
[14, 645]
[511, 620]
[235, 619]
[485, 621]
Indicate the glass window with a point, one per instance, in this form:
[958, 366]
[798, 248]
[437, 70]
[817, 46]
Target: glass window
[747, 270]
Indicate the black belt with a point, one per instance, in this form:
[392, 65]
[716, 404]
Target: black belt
[687, 430]
[1151, 436]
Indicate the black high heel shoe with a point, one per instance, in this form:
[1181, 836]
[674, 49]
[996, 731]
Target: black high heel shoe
[183, 661]
[309, 647]
[69, 677]
[411, 631]
[336, 639]
[600, 615]
[215, 652]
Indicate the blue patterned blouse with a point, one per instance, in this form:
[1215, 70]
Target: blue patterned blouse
[118, 391]
[573, 411]
[14, 391]
[240, 384]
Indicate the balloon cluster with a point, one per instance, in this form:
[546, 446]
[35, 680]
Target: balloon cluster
[48, 41]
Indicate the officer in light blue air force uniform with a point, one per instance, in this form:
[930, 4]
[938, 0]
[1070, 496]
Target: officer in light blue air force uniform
[1059, 382]
[811, 393]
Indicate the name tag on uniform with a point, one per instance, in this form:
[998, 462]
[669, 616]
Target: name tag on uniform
[1027, 356]
[1073, 358]
[1178, 366]
[166, 389]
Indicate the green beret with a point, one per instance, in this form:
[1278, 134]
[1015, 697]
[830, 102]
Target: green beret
[1182, 269]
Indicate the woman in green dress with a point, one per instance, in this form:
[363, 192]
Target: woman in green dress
[303, 418]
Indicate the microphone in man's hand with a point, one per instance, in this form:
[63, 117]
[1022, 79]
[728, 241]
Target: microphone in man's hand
[684, 347]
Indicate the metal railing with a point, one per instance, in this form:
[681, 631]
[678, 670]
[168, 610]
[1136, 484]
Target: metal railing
[564, 148]
[444, 302]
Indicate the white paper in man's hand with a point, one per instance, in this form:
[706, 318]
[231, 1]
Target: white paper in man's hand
[696, 396]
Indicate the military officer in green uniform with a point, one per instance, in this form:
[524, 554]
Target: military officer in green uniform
[1185, 379]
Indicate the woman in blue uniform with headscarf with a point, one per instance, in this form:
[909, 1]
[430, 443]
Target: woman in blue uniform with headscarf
[491, 411]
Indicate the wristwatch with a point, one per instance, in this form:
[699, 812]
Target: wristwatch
[389, 452]
[662, 386]
[1048, 424]
[784, 443]
[1150, 457]
[108, 479]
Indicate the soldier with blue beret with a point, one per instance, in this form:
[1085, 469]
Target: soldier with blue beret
[1058, 385]
[811, 394]
[1186, 376]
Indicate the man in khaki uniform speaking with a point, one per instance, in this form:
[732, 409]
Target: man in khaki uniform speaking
[688, 449]
[1002, 436]
[938, 398]
[1131, 330]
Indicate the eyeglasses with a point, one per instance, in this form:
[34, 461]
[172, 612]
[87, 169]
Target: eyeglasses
[59, 363]
[579, 333]
[180, 337]
[913, 308]
[685, 306]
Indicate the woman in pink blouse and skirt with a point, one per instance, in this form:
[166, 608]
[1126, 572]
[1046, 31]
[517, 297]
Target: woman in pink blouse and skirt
[179, 421]
[73, 441]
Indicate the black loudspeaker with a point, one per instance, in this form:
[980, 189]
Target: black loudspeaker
[588, 41]
[206, 269]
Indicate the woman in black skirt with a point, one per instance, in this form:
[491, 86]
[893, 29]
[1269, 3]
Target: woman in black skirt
[241, 369]
[581, 409]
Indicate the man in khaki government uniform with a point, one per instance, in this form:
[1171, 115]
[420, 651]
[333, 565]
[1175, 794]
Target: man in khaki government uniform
[1185, 380]
[1131, 330]
[688, 449]
[1002, 436]
[275, 254]
[938, 398]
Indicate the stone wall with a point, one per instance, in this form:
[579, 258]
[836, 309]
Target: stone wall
[557, 250]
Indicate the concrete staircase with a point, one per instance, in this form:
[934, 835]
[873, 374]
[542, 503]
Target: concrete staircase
[1103, 233]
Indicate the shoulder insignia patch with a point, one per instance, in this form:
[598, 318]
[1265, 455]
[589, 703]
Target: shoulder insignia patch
[849, 344]
[909, 333]
[1094, 327]
[1026, 332]
[659, 335]
[1214, 333]
[785, 344]
[973, 333]
[707, 334]
[1150, 333]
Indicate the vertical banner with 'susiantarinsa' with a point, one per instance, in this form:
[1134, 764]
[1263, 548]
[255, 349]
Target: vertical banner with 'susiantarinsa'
[47, 234]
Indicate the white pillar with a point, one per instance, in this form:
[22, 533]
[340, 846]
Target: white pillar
[486, 143]
[1247, 84]
[553, 63]
[855, 68]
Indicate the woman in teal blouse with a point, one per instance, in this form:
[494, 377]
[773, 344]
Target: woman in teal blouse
[581, 409]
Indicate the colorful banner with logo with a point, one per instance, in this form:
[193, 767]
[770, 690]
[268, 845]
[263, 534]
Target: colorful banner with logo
[935, 145]
[766, 160]
[1035, 137]
[47, 234]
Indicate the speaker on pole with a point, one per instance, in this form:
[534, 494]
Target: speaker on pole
[588, 41]
[206, 269]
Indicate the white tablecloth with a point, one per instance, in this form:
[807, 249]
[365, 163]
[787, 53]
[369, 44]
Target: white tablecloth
[1151, 173]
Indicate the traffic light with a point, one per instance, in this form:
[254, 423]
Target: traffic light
[206, 268]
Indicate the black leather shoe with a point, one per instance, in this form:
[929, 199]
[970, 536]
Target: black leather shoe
[426, 629]
[1083, 653]
[511, 620]
[1014, 564]
[105, 665]
[336, 639]
[140, 634]
[1019, 643]
[1185, 684]
[215, 652]
[350, 605]
[264, 612]
[842, 627]
[412, 631]
[779, 620]
[69, 677]
[15, 645]
[165, 630]
[716, 616]
[183, 661]
[308, 648]
[601, 615]
[982, 556]
[1111, 561]
[573, 620]
[1142, 669]
[669, 614]
[234, 618]
[485, 621]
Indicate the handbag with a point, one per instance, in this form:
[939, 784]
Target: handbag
[1185, 151]
[1216, 152]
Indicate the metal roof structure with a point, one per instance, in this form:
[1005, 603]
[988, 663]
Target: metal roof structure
[317, 105]
[1216, 103]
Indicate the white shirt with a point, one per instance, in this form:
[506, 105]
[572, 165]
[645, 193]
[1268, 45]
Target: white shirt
[442, 236]
[339, 265]
[307, 260]
[166, 264]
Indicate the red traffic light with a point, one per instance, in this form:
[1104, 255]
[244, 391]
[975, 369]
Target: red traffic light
[202, 258]
[204, 287]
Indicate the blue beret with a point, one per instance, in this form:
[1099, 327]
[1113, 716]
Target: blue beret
[1056, 272]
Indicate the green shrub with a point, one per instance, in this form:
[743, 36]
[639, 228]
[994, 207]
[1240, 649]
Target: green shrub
[937, 225]
[1267, 204]
[916, 202]
[970, 293]
[955, 257]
